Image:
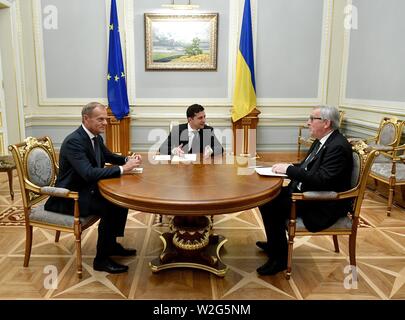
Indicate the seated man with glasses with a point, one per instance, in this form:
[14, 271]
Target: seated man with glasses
[327, 167]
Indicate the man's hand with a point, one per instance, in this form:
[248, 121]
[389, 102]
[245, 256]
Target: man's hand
[207, 152]
[178, 151]
[132, 162]
[281, 167]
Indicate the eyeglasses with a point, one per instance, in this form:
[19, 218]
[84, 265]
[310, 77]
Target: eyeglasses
[312, 118]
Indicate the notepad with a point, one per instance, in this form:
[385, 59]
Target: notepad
[268, 171]
[137, 170]
[187, 157]
[161, 157]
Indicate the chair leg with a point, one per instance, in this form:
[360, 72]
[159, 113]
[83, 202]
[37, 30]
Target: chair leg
[352, 249]
[28, 245]
[10, 183]
[290, 253]
[79, 256]
[375, 184]
[299, 151]
[391, 194]
[336, 243]
[57, 235]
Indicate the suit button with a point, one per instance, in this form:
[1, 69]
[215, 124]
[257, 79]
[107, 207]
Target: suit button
[92, 192]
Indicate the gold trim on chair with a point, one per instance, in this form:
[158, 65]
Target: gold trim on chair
[356, 193]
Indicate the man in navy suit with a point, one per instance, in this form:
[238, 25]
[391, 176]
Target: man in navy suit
[192, 137]
[81, 165]
[327, 167]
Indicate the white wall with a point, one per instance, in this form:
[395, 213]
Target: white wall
[304, 57]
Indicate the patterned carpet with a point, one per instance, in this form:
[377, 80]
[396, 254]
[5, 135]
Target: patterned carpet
[318, 272]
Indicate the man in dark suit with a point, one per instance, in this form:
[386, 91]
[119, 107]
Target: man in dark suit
[192, 137]
[81, 165]
[327, 167]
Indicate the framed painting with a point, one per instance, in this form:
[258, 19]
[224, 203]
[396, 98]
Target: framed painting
[181, 42]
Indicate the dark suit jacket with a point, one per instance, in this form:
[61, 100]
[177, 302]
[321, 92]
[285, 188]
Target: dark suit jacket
[179, 135]
[329, 170]
[78, 171]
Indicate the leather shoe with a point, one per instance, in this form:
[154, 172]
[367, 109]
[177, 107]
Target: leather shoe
[109, 266]
[262, 245]
[272, 266]
[119, 250]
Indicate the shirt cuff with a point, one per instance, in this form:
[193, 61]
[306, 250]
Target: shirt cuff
[121, 169]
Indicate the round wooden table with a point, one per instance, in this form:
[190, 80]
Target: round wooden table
[190, 192]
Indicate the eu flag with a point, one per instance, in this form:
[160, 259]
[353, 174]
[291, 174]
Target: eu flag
[116, 85]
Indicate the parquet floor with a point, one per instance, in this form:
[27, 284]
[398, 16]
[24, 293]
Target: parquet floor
[318, 272]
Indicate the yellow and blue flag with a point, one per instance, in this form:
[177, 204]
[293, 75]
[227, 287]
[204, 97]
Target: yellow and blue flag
[116, 84]
[244, 97]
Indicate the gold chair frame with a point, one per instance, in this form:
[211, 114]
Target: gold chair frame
[356, 193]
[33, 194]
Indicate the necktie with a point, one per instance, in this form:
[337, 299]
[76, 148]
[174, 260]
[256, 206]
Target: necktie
[97, 151]
[295, 185]
[311, 155]
[195, 143]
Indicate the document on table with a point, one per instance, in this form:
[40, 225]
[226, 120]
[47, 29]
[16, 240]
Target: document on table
[134, 171]
[268, 171]
[185, 157]
[161, 157]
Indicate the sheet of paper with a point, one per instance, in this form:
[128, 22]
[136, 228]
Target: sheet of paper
[135, 171]
[161, 157]
[267, 171]
[185, 157]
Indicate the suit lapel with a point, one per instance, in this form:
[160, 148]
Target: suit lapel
[88, 143]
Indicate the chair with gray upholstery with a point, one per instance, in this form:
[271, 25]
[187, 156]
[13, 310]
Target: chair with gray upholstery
[7, 165]
[391, 173]
[344, 226]
[37, 169]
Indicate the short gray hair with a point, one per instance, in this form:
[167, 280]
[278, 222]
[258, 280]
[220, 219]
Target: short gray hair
[330, 113]
[88, 108]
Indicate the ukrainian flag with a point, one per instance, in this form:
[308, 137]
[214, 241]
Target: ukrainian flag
[244, 98]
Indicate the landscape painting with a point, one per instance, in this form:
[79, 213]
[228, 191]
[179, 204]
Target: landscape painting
[181, 42]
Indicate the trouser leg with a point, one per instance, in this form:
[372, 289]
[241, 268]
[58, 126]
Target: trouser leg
[274, 215]
[112, 225]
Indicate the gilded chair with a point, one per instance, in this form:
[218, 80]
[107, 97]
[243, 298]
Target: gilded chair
[37, 170]
[305, 139]
[391, 173]
[344, 226]
[7, 165]
[387, 167]
[388, 137]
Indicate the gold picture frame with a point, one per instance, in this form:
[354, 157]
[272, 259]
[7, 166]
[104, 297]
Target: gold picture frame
[181, 42]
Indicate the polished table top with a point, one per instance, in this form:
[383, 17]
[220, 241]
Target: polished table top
[225, 185]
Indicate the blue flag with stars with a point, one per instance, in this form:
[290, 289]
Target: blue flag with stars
[116, 84]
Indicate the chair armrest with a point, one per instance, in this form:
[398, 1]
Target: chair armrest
[381, 148]
[399, 148]
[59, 192]
[315, 195]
